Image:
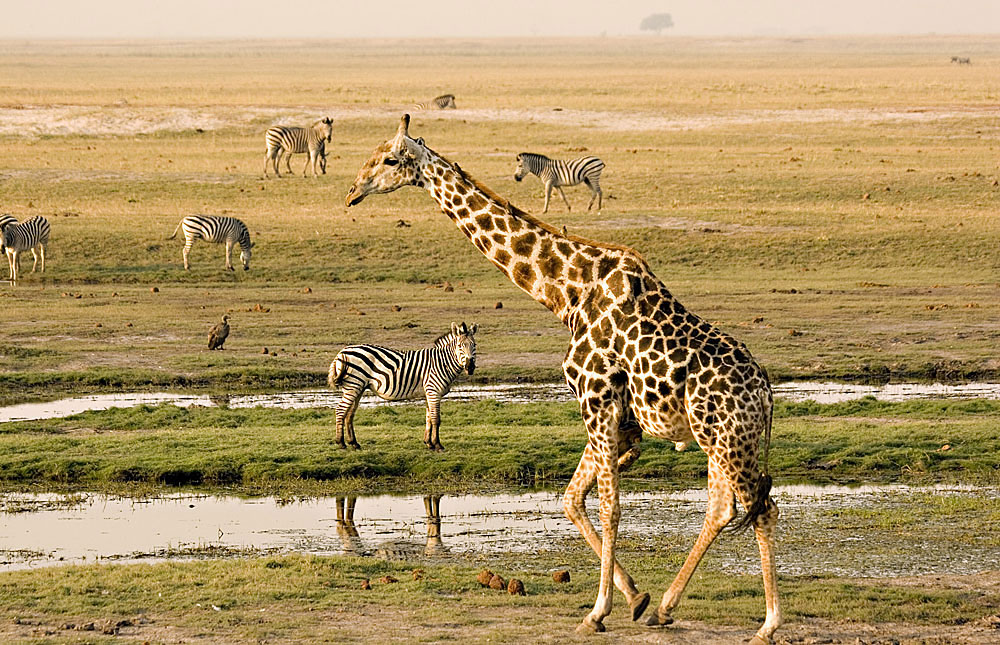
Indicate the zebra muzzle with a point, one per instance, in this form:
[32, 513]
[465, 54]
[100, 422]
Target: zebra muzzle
[470, 367]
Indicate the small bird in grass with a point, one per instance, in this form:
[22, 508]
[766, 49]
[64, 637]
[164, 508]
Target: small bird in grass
[217, 337]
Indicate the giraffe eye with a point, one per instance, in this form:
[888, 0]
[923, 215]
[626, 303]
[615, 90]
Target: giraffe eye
[391, 161]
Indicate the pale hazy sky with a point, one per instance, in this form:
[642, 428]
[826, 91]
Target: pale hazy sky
[471, 18]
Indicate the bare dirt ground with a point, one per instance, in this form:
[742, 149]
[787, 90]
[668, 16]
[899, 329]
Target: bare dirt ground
[118, 120]
[376, 622]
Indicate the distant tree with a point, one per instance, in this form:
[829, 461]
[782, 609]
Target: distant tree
[656, 22]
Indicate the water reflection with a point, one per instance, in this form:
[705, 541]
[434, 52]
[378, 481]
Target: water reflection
[352, 544]
[866, 531]
[821, 392]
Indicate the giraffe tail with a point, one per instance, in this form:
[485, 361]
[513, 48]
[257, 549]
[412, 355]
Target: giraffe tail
[761, 494]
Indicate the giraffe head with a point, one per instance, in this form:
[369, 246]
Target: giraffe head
[463, 342]
[393, 164]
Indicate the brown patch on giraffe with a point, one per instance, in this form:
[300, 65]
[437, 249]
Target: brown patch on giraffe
[485, 222]
[475, 202]
[524, 244]
[523, 275]
[550, 265]
[501, 255]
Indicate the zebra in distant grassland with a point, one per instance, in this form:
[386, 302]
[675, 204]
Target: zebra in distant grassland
[281, 139]
[395, 375]
[218, 230]
[443, 102]
[31, 234]
[961, 60]
[556, 174]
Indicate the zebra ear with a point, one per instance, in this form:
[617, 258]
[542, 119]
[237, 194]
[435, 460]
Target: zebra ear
[454, 328]
[475, 328]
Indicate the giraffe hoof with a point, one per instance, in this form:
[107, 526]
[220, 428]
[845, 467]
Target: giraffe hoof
[758, 640]
[355, 445]
[656, 620]
[342, 446]
[639, 606]
[589, 626]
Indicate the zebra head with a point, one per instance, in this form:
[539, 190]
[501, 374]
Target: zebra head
[465, 345]
[246, 251]
[324, 127]
[393, 164]
[522, 170]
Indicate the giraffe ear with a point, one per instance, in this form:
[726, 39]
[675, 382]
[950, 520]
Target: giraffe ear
[404, 126]
[420, 142]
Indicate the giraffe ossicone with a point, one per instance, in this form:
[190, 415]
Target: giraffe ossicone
[638, 362]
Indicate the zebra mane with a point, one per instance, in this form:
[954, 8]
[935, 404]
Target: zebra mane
[535, 155]
[443, 339]
[528, 217]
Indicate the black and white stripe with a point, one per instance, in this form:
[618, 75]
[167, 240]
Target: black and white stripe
[6, 220]
[556, 174]
[219, 230]
[443, 102]
[288, 140]
[394, 375]
[31, 234]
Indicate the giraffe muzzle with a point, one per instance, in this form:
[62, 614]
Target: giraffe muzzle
[353, 197]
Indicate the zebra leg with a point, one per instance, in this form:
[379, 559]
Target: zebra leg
[595, 193]
[348, 405]
[352, 440]
[12, 265]
[267, 160]
[187, 250]
[34, 255]
[288, 162]
[559, 188]
[431, 436]
[548, 194]
[229, 254]
[41, 250]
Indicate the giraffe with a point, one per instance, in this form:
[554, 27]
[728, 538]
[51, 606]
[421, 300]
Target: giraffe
[638, 362]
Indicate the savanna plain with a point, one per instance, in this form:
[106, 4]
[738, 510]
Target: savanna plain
[830, 202]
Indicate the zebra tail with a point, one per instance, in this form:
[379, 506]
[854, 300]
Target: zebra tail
[337, 370]
[176, 229]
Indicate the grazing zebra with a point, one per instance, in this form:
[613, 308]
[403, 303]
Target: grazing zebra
[961, 60]
[31, 234]
[281, 139]
[394, 375]
[216, 229]
[556, 174]
[443, 102]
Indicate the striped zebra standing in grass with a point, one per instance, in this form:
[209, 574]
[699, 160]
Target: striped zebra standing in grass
[443, 102]
[32, 234]
[394, 375]
[218, 230]
[288, 140]
[556, 174]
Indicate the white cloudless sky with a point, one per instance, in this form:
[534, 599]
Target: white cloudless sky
[33, 19]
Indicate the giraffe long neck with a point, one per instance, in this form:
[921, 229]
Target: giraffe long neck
[550, 267]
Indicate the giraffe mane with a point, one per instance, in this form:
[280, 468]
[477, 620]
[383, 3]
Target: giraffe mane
[517, 212]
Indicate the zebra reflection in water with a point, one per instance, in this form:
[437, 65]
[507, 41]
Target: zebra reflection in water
[352, 544]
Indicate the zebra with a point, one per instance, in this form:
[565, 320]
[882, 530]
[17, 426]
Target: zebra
[394, 375]
[6, 220]
[556, 174]
[443, 102]
[30, 234]
[287, 140]
[961, 60]
[216, 229]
